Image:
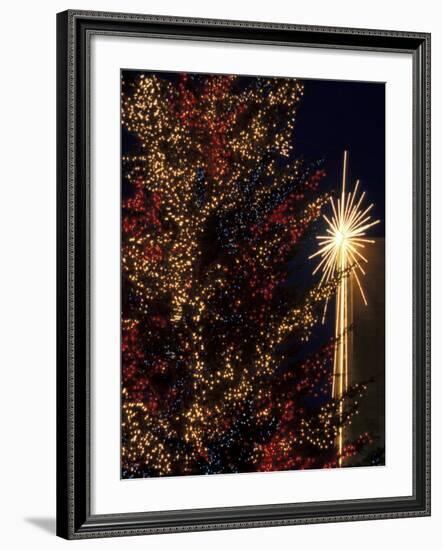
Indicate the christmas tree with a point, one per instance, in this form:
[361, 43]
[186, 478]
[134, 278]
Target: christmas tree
[225, 366]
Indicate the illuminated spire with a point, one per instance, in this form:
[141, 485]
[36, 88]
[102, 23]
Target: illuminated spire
[341, 255]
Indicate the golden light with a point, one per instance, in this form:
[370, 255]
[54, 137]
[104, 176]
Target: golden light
[341, 255]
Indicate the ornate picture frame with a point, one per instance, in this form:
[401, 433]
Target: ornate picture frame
[75, 519]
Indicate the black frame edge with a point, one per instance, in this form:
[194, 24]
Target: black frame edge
[62, 288]
[422, 273]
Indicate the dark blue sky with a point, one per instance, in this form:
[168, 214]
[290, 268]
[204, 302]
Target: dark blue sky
[336, 115]
[333, 116]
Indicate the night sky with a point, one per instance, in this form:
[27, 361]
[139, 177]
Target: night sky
[336, 115]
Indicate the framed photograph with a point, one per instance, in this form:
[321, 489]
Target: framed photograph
[243, 274]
